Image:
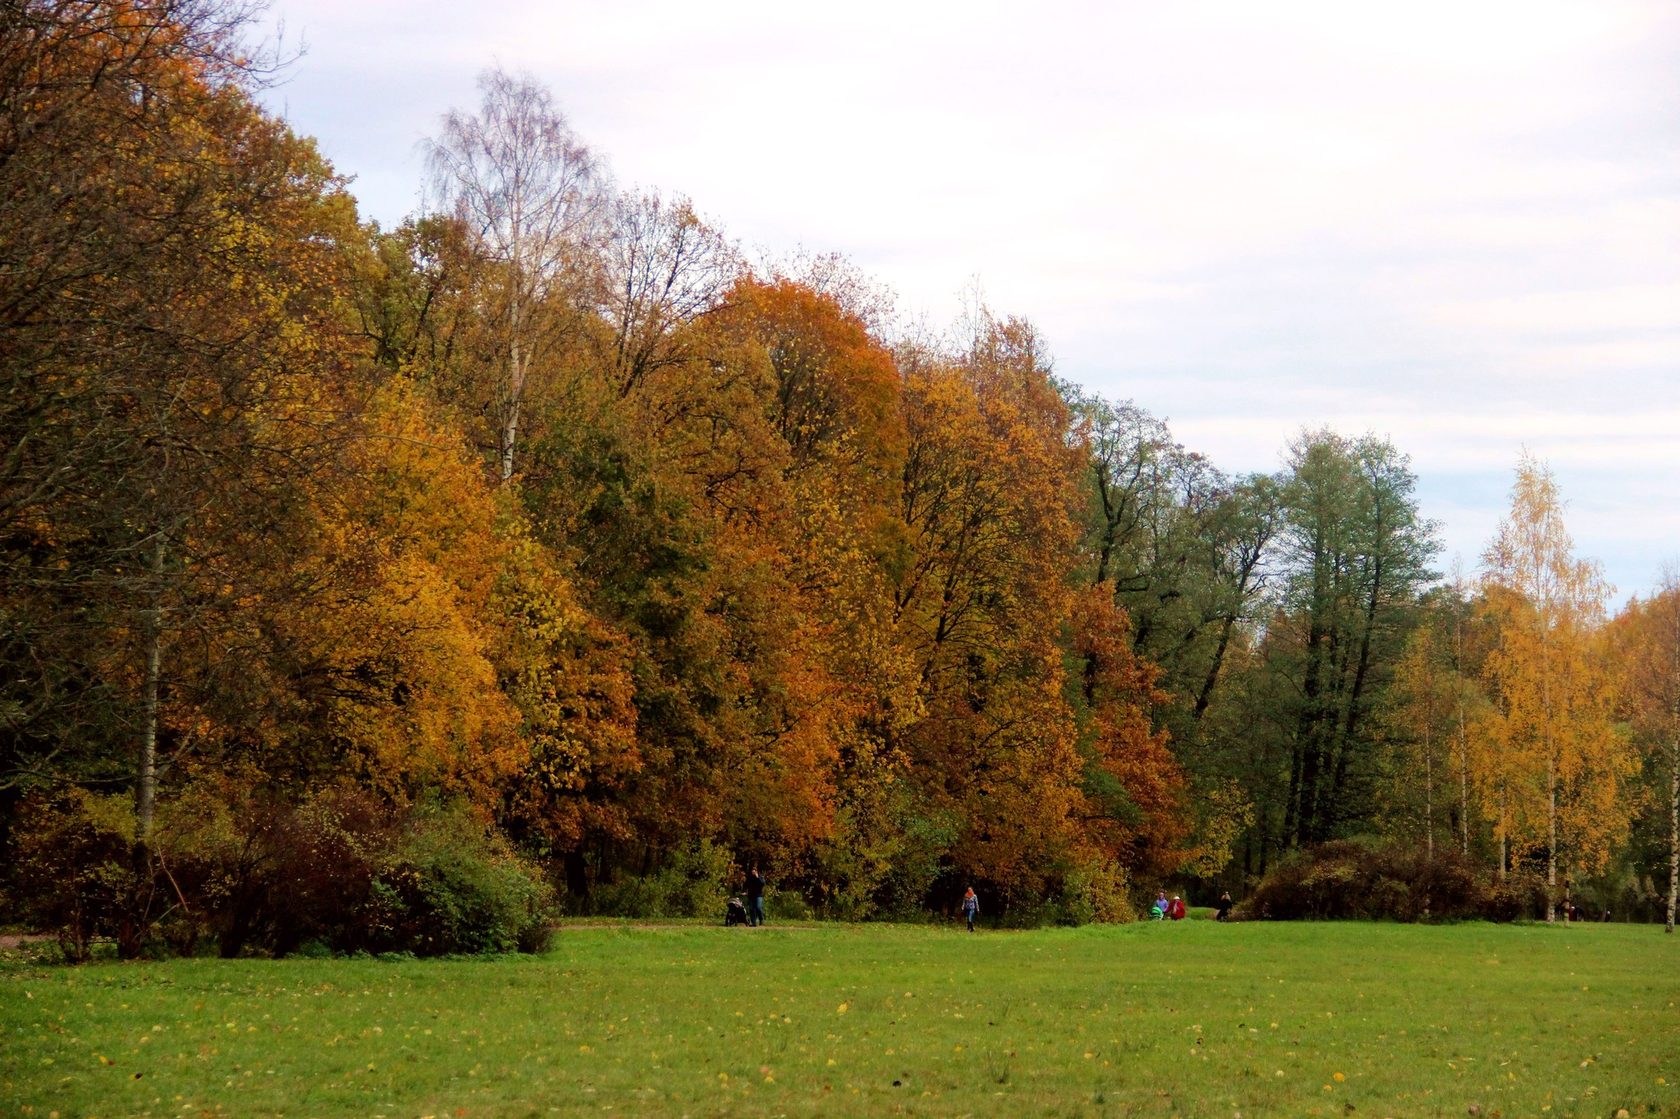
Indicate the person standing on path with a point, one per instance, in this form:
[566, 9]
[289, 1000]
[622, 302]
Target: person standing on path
[971, 907]
[755, 897]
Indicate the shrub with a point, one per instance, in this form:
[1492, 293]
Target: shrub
[1352, 878]
[787, 905]
[339, 870]
[451, 885]
[74, 870]
[267, 874]
[1520, 894]
[1092, 891]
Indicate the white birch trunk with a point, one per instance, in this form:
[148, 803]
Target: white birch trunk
[145, 783]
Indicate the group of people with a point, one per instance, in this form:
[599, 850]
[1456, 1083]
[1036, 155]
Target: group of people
[1164, 909]
[1173, 909]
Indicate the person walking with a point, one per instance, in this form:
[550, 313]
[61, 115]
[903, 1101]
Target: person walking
[755, 897]
[970, 907]
[1222, 911]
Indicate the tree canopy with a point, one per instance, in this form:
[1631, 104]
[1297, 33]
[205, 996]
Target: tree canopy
[652, 561]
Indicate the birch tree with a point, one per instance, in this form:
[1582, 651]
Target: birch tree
[1422, 698]
[533, 197]
[1563, 762]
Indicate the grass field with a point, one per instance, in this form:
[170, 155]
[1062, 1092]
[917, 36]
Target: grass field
[1192, 1019]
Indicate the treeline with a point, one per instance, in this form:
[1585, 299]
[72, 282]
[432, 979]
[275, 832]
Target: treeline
[385, 588]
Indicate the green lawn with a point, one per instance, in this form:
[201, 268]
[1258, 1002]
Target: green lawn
[1180, 1019]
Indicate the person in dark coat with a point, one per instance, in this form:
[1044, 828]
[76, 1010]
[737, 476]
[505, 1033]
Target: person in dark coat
[755, 896]
[1222, 911]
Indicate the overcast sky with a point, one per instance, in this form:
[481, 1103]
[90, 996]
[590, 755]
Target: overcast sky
[1453, 224]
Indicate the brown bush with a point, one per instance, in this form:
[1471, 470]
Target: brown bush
[1357, 879]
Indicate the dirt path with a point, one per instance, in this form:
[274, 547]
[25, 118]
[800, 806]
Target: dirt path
[18, 940]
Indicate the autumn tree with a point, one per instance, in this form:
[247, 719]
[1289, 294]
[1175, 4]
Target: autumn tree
[1648, 647]
[169, 392]
[1187, 552]
[1420, 719]
[232, 557]
[1561, 764]
[1136, 793]
[988, 501]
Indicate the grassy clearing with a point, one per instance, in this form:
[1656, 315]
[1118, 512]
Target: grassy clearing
[1188, 1019]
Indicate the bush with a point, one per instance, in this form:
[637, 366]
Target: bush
[451, 885]
[1351, 878]
[1521, 894]
[267, 874]
[74, 870]
[1091, 891]
[341, 871]
[787, 905]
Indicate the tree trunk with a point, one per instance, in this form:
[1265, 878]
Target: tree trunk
[1463, 781]
[1307, 755]
[1673, 828]
[1292, 802]
[510, 413]
[145, 785]
[145, 781]
[1504, 827]
[1205, 695]
[1428, 795]
[1551, 841]
[1463, 736]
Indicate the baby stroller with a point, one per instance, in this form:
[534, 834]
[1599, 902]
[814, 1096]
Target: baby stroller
[735, 913]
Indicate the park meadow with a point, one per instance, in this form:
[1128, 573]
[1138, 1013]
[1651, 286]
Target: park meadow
[1192, 1018]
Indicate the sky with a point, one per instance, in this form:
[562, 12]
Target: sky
[1452, 224]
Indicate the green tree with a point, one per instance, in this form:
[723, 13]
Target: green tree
[1357, 555]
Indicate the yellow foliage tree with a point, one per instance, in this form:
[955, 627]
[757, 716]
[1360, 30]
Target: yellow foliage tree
[1648, 644]
[1561, 764]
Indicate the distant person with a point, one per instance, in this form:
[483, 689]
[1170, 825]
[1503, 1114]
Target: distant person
[755, 897]
[970, 907]
[1222, 911]
[1159, 909]
[1175, 908]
